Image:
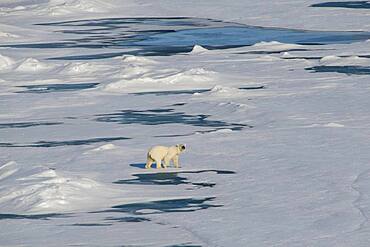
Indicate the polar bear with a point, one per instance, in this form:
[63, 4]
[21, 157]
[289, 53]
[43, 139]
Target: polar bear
[158, 153]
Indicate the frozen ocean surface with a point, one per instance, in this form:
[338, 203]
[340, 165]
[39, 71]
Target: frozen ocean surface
[270, 97]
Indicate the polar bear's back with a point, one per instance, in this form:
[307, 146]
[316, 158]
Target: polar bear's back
[158, 152]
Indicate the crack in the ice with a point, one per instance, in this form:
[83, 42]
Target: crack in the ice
[201, 239]
[356, 202]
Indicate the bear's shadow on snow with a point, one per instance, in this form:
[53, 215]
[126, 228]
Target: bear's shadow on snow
[169, 178]
[138, 165]
[164, 206]
[349, 70]
[164, 116]
[50, 88]
[142, 166]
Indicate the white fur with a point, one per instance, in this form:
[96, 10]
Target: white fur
[158, 153]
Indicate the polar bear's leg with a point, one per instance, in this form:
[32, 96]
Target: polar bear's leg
[166, 162]
[149, 163]
[168, 158]
[159, 163]
[176, 161]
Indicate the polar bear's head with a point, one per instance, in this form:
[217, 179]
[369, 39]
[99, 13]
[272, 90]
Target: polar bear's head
[180, 147]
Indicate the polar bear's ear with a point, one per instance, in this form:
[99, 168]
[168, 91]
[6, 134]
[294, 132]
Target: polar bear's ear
[180, 147]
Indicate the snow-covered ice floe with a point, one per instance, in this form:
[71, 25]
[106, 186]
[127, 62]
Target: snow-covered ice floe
[40, 189]
[138, 77]
[271, 99]
[33, 65]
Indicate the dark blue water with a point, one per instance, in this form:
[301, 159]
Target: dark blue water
[163, 116]
[128, 219]
[91, 224]
[302, 57]
[349, 70]
[50, 88]
[273, 52]
[191, 91]
[168, 36]
[319, 57]
[184, 245]
[48, 144]
[31, 217]
[344, 4]
[230, 36]
[235, 128]
[27, 124]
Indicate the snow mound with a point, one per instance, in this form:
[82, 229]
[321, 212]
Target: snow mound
[43, 190]
[218, 89]
[197, 72]
[275, 46]
[20, 7]
[105, 147]
[334, 125]
[7, 35]
[133, 71]
[223, 91]
[197, 49]
[338, 61]
[223, 131]
[76, 68]
[33, 65]
[267, 58]
[143, 78]
[136, 60]
[329, 59]
[233, 106]
[5, 62]
[134, 67]
[66, 7]
[286, 55]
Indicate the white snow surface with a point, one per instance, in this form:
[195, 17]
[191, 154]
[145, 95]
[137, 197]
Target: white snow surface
[282, 165]
[41, 189]
[5, 62]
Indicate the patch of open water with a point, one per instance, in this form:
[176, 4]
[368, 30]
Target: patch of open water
[155, 36]
[344, 4]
